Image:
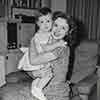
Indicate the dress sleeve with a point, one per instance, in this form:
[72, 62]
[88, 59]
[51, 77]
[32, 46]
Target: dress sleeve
[32, 50]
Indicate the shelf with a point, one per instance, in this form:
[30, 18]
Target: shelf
[22, 11]
[10, 20]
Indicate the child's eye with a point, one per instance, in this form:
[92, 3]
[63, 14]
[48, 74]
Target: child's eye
[63, 28]
[55, 25]
[41, 21]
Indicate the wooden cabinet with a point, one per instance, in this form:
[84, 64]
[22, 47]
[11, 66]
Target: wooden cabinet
[13, 35]
[8, 35]
[25, 33]
[11, 61]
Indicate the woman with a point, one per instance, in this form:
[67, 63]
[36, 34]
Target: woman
[57, 88]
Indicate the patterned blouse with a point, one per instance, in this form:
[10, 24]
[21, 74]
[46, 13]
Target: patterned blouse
[57, 88]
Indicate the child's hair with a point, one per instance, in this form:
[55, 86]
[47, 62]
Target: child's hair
[71, 36]
[43, 11]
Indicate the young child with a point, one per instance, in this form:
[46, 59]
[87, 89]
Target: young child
[42, 37]
[59, 33]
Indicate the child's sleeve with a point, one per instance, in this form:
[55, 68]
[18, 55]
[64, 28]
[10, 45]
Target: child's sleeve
[32, 50]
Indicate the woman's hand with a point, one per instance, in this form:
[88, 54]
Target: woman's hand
[43, 46]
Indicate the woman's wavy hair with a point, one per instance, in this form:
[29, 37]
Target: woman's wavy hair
[72, 33]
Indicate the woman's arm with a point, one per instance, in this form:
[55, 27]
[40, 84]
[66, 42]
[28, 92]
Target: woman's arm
[39, 58]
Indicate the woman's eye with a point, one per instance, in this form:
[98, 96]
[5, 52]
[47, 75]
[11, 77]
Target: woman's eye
[55, 25]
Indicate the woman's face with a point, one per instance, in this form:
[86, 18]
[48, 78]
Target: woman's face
[60, 28]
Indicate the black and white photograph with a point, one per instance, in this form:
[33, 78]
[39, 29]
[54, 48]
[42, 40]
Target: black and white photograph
[49, 49]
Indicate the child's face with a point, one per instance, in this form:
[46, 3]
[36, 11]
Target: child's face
[45, 22]
[60, 28]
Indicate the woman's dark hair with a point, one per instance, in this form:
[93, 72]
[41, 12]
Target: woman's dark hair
[72, 33]
[58, 14]
[71, 38]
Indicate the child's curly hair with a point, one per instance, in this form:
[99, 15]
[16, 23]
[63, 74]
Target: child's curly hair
[72, 33]
[41, 12]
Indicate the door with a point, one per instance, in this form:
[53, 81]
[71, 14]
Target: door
[3, 37]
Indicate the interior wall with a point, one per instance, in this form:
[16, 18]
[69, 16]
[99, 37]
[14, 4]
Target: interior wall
[46, 3]
[58, 5]
[87, 12]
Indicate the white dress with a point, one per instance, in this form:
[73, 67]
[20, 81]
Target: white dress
[24, 63]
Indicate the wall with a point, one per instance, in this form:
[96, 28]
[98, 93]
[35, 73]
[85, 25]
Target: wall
[58, 5]
[87, 13]
[46, 3]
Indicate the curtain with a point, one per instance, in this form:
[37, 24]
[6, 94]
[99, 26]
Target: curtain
[88, 13]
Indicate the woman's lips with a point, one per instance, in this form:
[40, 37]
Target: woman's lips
[56, 35]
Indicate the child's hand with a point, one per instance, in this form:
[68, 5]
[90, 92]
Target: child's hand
[43, 46]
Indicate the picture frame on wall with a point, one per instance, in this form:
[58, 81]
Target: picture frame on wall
[27, 3]
[22, 11]
[25, 9]
[24, 15]
[21, 3]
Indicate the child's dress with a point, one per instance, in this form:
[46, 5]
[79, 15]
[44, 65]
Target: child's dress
[24, 63]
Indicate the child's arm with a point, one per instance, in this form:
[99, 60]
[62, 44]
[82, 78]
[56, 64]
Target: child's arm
[52, 46]
[36, 58]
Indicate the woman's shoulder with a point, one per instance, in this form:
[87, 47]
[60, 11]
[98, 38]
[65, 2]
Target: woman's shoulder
[65, 51]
